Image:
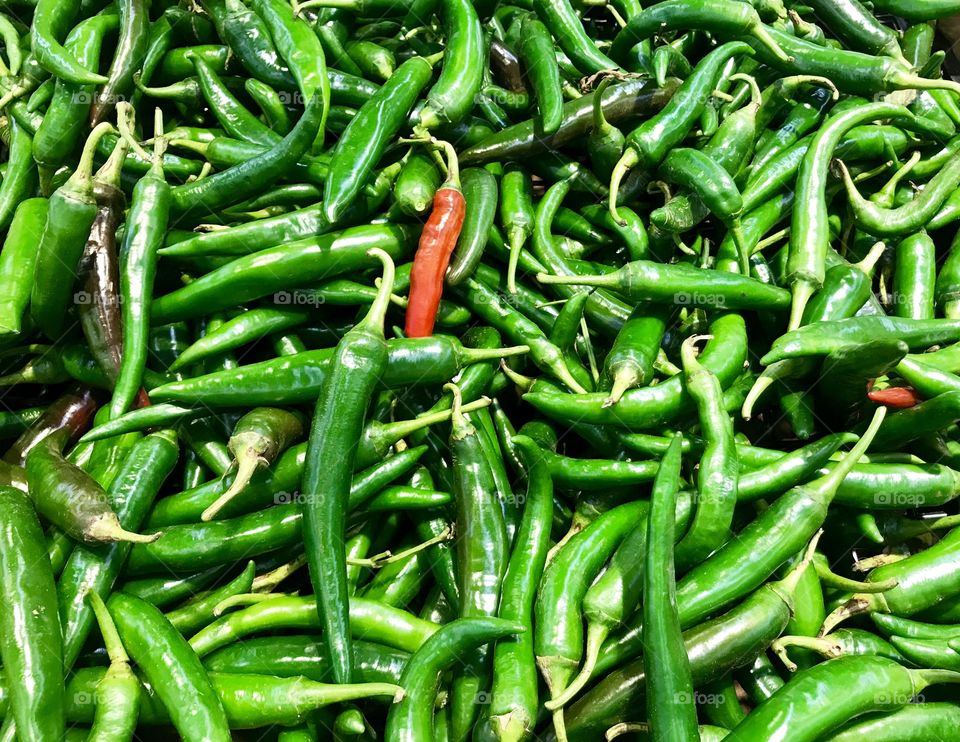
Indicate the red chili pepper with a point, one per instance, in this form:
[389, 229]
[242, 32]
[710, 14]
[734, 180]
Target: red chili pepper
[437, 241]
[143, 400]
[900, 397]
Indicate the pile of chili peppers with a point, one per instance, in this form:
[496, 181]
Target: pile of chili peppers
[469, 370]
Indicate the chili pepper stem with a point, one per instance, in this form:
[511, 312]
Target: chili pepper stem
[831, 579]
[869, 261]
[880, 560]
[925, 677]
[596, 635]
[823, 646]
[523, 383]
[80, 179]
[432, 418]
[760, 33]
[623, 380]
[108, 629]
[598, 280]
[855, 606]
[950, 521]
[743, 251]
[625, 727]
[265, 583]
[786, 588]
[908, 80]
[852, 193]
[111, 170]
[559, 725]
[829, 483]
[248, 461]
[108, 528]
[628, 160]
[379, 560]
[886, 193]
[688, 353]
[376, 317]
[517, 237]
[756, 96]
[461, 427]
[247, 599]
[600, 123]
[767, 378]
[803, 290]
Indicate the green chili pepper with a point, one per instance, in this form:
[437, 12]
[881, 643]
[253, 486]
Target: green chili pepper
[670, 706]
[293, 656]
[368, 620]
[359, 360]
[619, 102]
[416, 184]
[830, 336]
[714, 647]
[858, 27]
[809, 705]
[912, 723]
[565, 25]
[280, 268]
[132, 492]
[557, 619]
[258, 438]
[631, 358]
[70, 214]
[51, 20]
[172, 668]
[235, 119]
[366, 137]
[681, 283]
[30, 637]
[118, 700]
[412, 717]
[535, 46]
[68, 497]
[66, 117]
[717, 473]
[482, 549]
[128, 57]
[809, 232]
[17, 261]
[649, 143]
[721, 17]
[480, 193]
[301, 49]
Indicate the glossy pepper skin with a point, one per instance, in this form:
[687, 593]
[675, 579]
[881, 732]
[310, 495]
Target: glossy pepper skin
[360, 360]
[802, 706]
[367, 135]
[30, 644]
[437, 242]
[172, 668]
[670, 706]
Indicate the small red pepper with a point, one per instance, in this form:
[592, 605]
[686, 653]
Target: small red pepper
[899, 397]
[437, 241]
[142, 399]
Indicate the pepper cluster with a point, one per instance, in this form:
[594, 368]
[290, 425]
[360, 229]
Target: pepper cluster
[472, 370]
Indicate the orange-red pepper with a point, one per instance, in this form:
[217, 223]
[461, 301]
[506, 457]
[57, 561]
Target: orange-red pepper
[437, 241]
